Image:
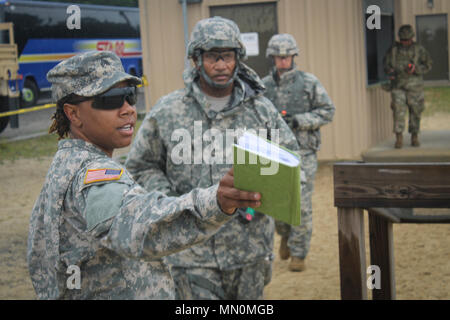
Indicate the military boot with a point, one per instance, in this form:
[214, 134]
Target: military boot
[415, 140]
[297, 264]
[399, 141]
[285, 253]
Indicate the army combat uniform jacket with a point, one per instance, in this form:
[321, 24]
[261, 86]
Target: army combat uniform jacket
[303, 97]
[398, 58]
[185, 115]
[406, 89]
[91, 214]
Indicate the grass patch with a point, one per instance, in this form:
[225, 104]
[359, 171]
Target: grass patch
[44, 146]
[437, 99]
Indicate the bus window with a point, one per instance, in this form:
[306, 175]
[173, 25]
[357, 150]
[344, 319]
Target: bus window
[43, 39]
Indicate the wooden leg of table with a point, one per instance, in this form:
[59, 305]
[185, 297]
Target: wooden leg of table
[352, 257]
[382, 255]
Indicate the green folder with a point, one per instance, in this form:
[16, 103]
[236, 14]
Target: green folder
[275, 174]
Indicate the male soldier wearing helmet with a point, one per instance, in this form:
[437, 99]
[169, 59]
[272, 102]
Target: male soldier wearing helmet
[221, 94]
[406, 62]
[305, 105]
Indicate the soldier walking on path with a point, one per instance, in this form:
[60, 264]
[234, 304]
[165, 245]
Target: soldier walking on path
[305, 105]
[406, 62]
[221, 94]
[92, 221]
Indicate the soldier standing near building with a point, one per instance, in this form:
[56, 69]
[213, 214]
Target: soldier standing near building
[221, 94]
[91, 216]
[406, 62]
[305, 106]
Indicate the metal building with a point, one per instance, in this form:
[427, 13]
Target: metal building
[336, 44]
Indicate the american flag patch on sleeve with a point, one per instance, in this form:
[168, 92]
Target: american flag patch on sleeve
[94, 175]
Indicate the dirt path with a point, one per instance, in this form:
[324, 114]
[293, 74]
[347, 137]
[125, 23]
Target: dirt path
[422, 256]
[422, 252]
[21, 183]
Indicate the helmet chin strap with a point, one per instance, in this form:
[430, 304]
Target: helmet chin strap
[210, 82]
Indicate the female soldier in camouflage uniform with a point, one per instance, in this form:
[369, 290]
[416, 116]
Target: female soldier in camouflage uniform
[92, 215]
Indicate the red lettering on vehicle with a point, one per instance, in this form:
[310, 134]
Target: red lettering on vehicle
[120, 48]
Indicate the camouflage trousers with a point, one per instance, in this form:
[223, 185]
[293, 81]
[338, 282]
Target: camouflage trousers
[196, 283]
[299, 237]
[403, 100]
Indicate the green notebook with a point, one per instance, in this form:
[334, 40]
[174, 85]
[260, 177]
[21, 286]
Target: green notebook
[272, 170]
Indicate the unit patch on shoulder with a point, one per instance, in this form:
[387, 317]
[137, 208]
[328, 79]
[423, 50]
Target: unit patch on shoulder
[95, 175]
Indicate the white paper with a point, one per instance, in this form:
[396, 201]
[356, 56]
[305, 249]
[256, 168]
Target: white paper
[251, 43]
[261, 147]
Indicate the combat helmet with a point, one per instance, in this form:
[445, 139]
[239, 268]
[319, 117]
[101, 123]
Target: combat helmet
[215, 32]
[282, 45]
[405, 32]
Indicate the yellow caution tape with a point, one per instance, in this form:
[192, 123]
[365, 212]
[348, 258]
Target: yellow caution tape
[144, 82]
[11, 113]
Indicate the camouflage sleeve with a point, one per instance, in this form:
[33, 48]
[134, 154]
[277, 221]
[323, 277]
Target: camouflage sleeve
[284, 135]
[266, 81]
[288, 140]
[424, 63]
[321, 112]
[150, 225]
[146, 160]
[138, 224]
[287, 137]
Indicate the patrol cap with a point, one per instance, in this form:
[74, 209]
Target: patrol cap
[88, 74]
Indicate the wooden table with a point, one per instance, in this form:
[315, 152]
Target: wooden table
[388, 191]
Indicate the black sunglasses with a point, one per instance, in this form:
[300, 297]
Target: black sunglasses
[115, 98]
[110, 100]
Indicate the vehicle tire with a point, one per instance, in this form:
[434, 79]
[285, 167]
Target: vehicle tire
[30, 94]
[4, 107]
